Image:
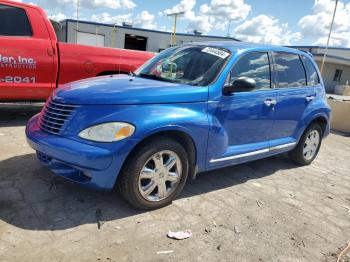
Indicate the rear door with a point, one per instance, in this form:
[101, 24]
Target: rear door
[27, 68]
[293, 97]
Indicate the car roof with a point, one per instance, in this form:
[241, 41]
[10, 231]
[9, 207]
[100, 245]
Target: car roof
[235, 46]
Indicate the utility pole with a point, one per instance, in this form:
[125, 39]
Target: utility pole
[114, 33]
[228, 28]
[77, 27]
[173, 35]
[329, 36]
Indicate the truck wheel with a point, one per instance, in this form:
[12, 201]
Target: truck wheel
[154, 174]
[309, 145]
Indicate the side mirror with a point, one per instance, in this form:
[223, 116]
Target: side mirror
[241, 84]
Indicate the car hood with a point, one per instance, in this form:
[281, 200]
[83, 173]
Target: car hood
[127, 90]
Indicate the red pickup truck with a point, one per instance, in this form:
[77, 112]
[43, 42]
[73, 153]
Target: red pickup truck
[33, 63]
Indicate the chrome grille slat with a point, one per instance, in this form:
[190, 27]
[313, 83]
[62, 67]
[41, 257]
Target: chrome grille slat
[60, 115]
[55, 103]
[51, 123]
[54, 115]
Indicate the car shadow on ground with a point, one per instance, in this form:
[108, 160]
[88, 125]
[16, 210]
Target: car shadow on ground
[17, 114]
[32, 198]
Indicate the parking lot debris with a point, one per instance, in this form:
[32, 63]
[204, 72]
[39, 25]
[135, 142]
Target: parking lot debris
[165, 252]
[53, 185]
[98, 214]
[180, 235]
[347, 208]
[344, 252]
[237, 230]
[207, 230]
[259, 203]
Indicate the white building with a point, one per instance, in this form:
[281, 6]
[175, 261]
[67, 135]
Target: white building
[336, 70]
[128, 37]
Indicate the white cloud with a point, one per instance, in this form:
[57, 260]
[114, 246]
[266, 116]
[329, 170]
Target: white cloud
[216, 14]
[266, 29]
[184, 6]
[58, 17]
[109, 19]
[145, 20]
[232, 10]
[89, 4]
[113, 4]
[316, 25]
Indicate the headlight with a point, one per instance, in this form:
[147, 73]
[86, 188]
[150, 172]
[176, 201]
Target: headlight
[108, 132]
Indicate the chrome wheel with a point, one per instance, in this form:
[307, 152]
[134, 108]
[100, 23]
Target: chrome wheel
[311, 144]
[160, 175]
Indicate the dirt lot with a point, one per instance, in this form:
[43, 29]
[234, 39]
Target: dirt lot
[267, 210]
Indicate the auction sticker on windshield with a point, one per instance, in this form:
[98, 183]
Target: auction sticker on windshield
[215, 51]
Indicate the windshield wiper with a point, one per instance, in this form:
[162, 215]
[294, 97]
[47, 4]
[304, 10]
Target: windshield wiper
[150, 76]
[131, 73]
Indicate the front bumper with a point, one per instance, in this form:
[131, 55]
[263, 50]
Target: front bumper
[85, 164]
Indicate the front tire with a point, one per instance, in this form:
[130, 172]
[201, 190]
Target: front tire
[154, 174]
[309, 145]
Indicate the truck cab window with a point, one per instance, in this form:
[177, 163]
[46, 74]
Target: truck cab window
[14, 21]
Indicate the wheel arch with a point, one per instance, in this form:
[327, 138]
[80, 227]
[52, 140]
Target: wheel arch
[180, 136]
[321, 119]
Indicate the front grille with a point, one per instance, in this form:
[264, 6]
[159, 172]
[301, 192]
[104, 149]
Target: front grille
[54, 115]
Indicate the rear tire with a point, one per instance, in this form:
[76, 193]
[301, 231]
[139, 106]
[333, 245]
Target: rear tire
[309, 145]
[154, 174]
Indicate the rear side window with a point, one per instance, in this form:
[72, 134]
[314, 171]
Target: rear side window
[254, 65]
[290, 71]
[312, 76]
[14, 22]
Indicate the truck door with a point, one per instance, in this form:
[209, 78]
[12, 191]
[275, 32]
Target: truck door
[27, 57]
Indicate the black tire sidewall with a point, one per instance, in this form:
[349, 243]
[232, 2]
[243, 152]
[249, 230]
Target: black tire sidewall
[298, 155]
[136, 162]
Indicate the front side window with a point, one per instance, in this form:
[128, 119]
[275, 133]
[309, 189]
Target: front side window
[192, 65]
[312, 76]
[290, 71]
[14, 21]
[253, 65]
[337, 75]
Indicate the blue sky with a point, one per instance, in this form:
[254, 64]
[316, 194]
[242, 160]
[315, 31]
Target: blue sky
[297, 22]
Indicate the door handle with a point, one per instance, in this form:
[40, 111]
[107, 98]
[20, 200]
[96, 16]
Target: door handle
[309, 98]
[270, 102]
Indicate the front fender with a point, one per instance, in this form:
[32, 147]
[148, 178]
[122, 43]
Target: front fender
[148, 119]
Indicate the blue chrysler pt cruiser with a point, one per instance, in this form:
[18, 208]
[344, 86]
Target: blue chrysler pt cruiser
[192, 108]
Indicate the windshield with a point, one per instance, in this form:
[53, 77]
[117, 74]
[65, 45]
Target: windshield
[192, 65]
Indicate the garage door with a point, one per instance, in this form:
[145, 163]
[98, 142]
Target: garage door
[90, 39]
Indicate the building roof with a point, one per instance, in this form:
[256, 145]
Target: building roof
[320, 47]
[146, 30]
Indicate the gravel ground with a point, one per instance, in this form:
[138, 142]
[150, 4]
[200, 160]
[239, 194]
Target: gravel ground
[266, 210]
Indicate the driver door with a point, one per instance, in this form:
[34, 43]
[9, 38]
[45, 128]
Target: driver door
[243, 121]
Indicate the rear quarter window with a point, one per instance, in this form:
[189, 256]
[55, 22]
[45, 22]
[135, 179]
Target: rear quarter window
[290, 71]
[312, 76]
[14, 21]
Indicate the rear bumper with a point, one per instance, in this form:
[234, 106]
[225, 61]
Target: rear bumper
[85, 164]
